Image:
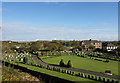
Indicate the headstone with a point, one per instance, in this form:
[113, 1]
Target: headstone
[67, 72]
[96, 78]
[108, 81]
[88, 76]
[21, 59]
[103, 79]
[70, 73]
[78, 74]
[92, 77]
[62, 71]
[73, 73]
[99, 78]
[81, 75]
[47, 66]
[112, 81]
[53, 68]
[117, 81]
[85, 76]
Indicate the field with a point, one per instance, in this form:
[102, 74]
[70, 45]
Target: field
[84, 63]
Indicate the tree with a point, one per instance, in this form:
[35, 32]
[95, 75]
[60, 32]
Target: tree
[79, 48]
[91, 47]
[62, 63]
[25, 60]
[41, 53]
[69, 64]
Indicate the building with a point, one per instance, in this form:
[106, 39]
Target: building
[109, 47]
[95, 43]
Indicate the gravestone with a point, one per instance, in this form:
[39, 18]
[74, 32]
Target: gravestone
[99, 78]
[79, 74]
[103, 79]
[96, 78]
[73, 73]
[92, 77]
[108, 81]
[117, 81]
[85, 76]
[88, 76]
[70, 73]
[67, 72]
[112, 81]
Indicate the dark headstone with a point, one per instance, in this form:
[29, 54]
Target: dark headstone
[99, 78]
[108, 80]
[92, 77]
[81, 75]
[96, 78]
[78, 74]
[117, 81]
[70, 73]
[73, 73]
[67, 72]
[88, 76]
[103, 79]
[85, 76]
[112, 81]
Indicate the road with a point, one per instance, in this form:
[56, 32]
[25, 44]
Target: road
[38, 61]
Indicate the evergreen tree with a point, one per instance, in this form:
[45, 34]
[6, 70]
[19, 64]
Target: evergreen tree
[25, 60]
[69, 64]
[62, 63]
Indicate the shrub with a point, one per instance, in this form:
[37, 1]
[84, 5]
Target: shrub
[69, 64]
[62, 63]
[107, 71]
[25, 60]
[41, 53]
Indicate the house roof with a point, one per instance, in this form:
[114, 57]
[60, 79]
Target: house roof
[93, 41]
[110, 44]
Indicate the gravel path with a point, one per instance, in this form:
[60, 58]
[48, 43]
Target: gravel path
[38, 61]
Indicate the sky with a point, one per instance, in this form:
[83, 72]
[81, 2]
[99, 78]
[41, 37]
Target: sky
[60, 0]
[27, 21]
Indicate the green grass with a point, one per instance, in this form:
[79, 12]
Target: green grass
[85, 63]
[60, 75]
[57, 74]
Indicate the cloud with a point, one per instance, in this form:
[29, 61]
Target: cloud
[24, 31]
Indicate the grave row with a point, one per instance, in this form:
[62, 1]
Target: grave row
[92, 77]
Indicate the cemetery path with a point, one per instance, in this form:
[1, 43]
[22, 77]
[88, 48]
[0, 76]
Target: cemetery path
[39, 61]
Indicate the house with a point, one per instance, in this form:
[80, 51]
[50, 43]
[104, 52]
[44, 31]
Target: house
[88, 43]
[109, 47]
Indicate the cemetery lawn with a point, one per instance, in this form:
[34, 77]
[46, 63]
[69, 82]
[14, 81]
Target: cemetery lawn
[57, 74]
[85, 63]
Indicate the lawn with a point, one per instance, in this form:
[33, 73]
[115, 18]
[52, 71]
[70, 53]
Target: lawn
[85, 63]
[57, 74]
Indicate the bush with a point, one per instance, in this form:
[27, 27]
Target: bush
[69, 64]
[41, 53]
[107, 71]
[25, 60]
[62, 63]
